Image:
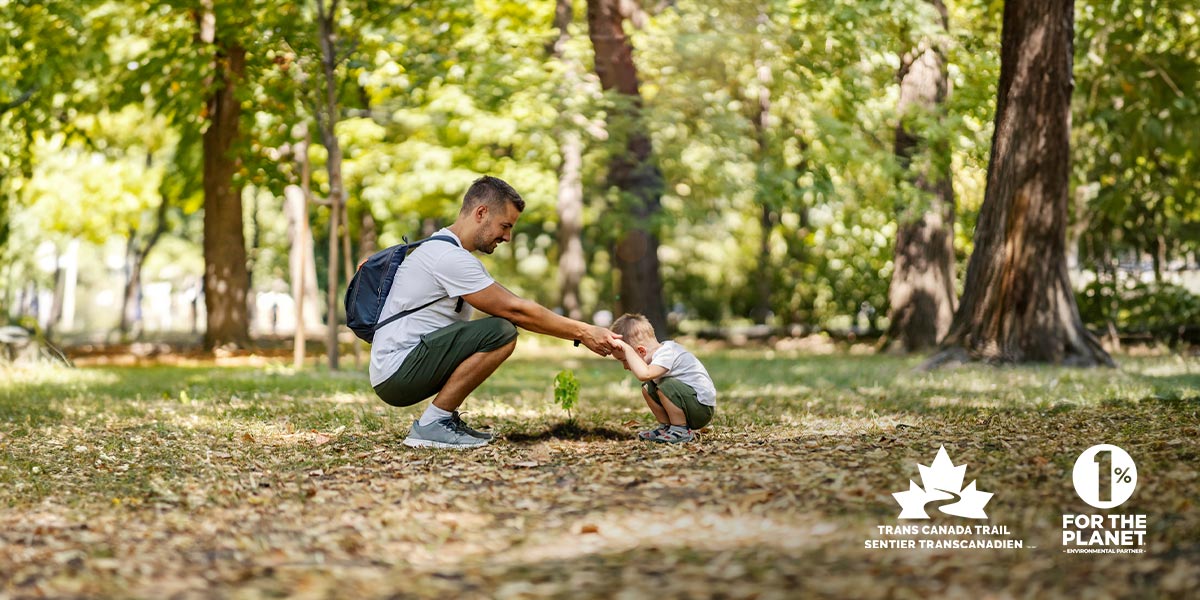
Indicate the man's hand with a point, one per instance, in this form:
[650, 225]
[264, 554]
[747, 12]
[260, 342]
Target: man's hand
[497, 301]
[600, 340]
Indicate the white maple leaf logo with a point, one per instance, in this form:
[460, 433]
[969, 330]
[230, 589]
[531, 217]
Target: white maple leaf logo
[943, 481]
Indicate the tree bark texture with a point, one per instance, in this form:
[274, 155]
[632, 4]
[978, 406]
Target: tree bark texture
[572, 264]
[921, 296]
[226, 280]
[1018, 305]
[633, 171]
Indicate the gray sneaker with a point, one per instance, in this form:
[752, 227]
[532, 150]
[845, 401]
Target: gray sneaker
[483, 435]
[649, 434]
[444, 433]
[670, 436]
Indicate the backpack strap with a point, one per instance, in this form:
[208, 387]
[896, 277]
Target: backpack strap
[400, 315]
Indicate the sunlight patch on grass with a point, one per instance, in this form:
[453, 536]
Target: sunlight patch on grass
[52, 374]
[351, 398]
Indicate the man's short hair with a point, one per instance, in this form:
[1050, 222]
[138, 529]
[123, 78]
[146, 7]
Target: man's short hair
[634, 329]
[492, 191]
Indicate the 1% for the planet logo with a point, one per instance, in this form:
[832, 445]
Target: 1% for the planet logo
[1105, 476]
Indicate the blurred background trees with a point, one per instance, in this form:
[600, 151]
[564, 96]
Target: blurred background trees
[801, 166]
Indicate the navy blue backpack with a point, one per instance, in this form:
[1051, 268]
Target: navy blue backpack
[370, 285]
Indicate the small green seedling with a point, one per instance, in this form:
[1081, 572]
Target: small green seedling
[566, 391]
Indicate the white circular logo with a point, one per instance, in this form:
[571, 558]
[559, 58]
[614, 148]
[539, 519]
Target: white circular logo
[1104, 476]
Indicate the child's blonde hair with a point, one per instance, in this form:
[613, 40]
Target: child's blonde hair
[634, 328]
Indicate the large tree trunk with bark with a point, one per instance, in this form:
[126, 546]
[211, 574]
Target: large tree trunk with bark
[633, 171]
[571, 261]
[921, 296]
[226, 280]
[1018, 305]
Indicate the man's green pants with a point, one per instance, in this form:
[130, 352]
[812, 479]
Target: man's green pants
[429, 365]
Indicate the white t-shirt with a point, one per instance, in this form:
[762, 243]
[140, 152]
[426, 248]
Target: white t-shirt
[433, 270]
[685, 367]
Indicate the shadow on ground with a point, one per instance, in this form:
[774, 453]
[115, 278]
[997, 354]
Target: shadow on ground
[569, 430]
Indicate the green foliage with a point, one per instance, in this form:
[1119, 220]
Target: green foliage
[566, 390]
[1136, 98]
[435, 93]
[1156, 308]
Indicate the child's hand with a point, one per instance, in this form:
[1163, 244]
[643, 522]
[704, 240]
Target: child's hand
[619, 351]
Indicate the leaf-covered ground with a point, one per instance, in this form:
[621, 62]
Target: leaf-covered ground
[195, 481]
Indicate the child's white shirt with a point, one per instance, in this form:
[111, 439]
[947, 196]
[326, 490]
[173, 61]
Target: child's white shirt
[685, 367]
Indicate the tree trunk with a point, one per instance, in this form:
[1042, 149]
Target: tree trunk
[766, 222]
[1160, 254]
[327, 125]
[225, 276]
[70, 285]
[56, 299]
[762, 284]
[3, 215]
[430, 226]
[135, 258]
[131, 304]
[348, 264]
[368, 238]
[921, 296]
[303, 271]
[1018, 305]
[572, 263]
[633, 171]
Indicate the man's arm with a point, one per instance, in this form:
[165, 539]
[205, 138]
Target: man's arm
[497, 301]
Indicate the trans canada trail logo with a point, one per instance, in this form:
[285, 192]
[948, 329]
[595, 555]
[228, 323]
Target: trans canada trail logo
[942, 492]
[942, 481]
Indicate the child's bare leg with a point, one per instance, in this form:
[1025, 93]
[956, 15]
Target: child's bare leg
[659, 412]
[675, 414]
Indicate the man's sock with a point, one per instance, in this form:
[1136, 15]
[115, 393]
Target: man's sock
[433, 413]
[679, 428]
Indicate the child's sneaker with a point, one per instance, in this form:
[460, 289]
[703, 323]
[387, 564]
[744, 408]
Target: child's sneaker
[648, 435]
[671, 435]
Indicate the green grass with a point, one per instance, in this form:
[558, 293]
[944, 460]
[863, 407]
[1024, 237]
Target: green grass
[253, 482]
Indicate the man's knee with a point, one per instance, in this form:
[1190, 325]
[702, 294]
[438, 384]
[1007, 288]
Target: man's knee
[497, 336]
[506, 331]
